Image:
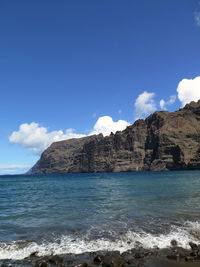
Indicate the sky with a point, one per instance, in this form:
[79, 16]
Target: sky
[74, 68]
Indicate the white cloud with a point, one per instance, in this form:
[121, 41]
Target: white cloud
[13, 168]
[189, 90]
[164, 103]
[197, 18]
[171, 100]
[37, 138]
[106, 125]
[144, 105]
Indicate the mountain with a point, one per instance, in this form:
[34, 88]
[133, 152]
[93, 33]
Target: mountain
[163, 141]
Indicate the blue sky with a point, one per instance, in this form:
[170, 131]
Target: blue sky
[68, 64]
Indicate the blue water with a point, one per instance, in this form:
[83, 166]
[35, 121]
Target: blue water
[57, 211]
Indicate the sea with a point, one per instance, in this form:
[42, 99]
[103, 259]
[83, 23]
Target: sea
[76, 213]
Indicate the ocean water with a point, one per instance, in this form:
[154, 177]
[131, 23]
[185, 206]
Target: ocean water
[75, 213]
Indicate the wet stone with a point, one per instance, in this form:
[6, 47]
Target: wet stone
[130, 260]
[68, 262]
[193, 254]
[193, 246]
[189, 258]
[5, 265]
[98, 259]
[113, 260]
[174, 257]
[82, 265]
[56, 259]
[41, 264]
[174, 243]
[34, 254]
[138, 256]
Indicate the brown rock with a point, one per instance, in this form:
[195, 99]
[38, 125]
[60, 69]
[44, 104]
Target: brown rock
[164, 141]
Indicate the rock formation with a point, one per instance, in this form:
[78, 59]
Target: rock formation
[163, 141]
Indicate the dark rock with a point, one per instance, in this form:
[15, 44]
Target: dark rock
[41, 264]
[193, 246]
[56, 260]
[164, 141]
[33, 254]
[98, 259]
[107, 262]
[189, 258]
[138, 256]
[181, 253]
[69, 262]
[82, 265]
[173, 243]
[113, 260]
[193, 254]
[5, 265]
[177, 254]
[174, 257]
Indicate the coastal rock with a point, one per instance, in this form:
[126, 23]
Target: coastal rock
[56, 260]
[41, 264]
[135, 257]
[5, 265]
[173, 243]
[113, 259]
[34, 254]
[163, 141]
[98, 259]
[193, 246]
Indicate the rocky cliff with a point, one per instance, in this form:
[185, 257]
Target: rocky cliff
[164, 141]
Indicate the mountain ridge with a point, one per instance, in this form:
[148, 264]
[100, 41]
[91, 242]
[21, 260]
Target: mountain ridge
[163, 141]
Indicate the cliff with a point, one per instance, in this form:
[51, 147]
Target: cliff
[163, 141]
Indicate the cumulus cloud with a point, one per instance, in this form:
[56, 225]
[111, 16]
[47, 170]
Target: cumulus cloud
[164, 103]
[13, 168]
[37, 138]
[106, 125]
[197, 18]
[144, 105]
[189, 90]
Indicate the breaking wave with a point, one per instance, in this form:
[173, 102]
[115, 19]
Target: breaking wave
[190, 231]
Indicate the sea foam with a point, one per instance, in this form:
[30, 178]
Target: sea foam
[190, 231]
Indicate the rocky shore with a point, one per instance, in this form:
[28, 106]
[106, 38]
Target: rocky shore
[170, 257]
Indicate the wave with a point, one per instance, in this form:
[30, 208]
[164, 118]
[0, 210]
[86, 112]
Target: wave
[189, 232]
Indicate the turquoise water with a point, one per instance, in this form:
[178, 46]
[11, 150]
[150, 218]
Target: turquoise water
[85, 212]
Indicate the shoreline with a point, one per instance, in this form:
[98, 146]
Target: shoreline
[169, 257]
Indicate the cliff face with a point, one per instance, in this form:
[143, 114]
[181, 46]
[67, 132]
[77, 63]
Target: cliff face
[164, 141]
